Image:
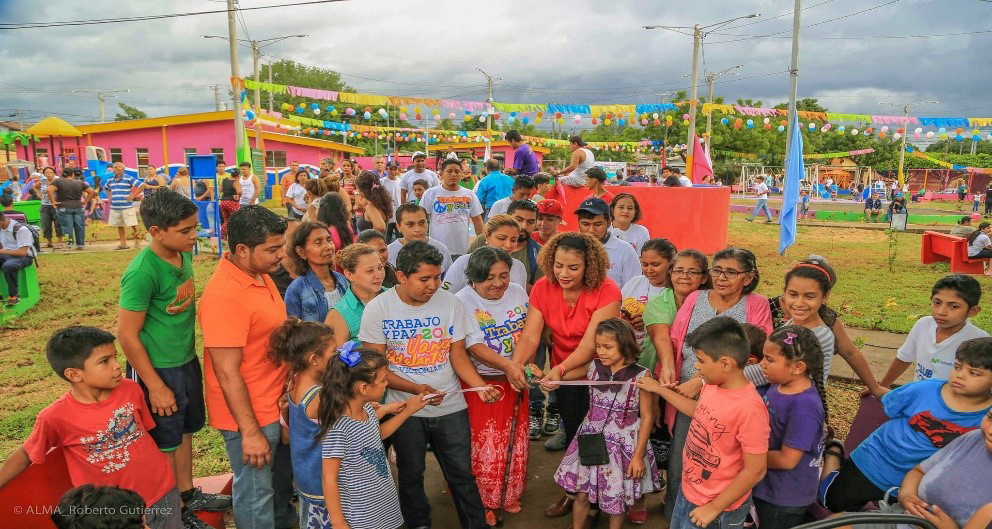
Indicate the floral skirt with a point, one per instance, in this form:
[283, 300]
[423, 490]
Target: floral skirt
[490, 424]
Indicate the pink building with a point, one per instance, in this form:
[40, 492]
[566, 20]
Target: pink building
[167, 141]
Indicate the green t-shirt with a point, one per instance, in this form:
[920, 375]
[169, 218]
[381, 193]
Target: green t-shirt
[660, 309]
[167, 296]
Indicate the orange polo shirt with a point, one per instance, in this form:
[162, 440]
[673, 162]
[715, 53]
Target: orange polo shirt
[236, 311]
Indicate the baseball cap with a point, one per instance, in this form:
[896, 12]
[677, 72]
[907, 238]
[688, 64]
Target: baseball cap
[513, 135]
[550, 206]
[596, 206]
[577, 140]
[418, 154]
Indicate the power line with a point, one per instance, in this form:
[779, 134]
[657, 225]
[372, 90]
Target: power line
[141, 18]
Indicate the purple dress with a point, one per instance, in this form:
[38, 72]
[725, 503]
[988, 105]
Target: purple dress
[608, 485]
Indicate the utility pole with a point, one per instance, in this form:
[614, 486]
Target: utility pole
[239, 124]
[698, 33]
[710, 79]
[101, 96]
[905, 132]
[793, 80]
[216, 89]
[270, 92]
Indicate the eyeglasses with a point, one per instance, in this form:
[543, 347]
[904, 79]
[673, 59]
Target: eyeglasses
[691, 272]
[729, 273]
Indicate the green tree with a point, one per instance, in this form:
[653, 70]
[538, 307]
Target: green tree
[129, 113]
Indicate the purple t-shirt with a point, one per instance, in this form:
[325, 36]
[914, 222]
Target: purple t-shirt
[797, 422]
[525, 161]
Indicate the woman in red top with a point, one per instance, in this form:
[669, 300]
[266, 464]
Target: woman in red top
[574, 295]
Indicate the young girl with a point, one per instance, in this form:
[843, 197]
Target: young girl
[807, 287]
[616, 412]
[306, 348]
[656, 258]
[358, 489]
[797, 410]
[625, 212]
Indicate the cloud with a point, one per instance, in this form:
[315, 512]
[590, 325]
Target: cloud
[580, 51]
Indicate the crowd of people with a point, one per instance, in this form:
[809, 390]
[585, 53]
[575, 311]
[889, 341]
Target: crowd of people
[368, 325]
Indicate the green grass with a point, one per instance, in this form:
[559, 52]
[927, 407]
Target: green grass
[83, 288]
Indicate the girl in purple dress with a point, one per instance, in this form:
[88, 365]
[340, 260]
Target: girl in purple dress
[617, 411]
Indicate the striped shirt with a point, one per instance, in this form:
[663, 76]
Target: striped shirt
[368, 495]
[120, 192]
[824, 334]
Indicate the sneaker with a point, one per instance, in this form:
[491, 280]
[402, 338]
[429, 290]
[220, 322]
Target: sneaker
[191, 521]
[557, 442]
[196, 500]
[552, 424]
[536, 421]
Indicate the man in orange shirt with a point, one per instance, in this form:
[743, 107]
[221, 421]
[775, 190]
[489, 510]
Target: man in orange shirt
[239, 309]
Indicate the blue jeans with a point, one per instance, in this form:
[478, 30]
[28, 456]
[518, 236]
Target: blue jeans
[762, 205]
[73, 221]
[451, 440]
[261, 496]
[727, 520]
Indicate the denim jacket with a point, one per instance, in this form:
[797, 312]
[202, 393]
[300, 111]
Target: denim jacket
[305, 296]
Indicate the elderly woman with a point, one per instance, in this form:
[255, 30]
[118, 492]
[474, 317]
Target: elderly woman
[570, 300]
[365, 272]
[735, 276]
[319, 287]
[499, 430]
[501, 231]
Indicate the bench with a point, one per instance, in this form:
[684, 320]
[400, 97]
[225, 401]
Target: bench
[943, 247]
[28, 500]
[27, 285]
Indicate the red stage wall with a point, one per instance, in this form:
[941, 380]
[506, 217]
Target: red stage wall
[690, 217]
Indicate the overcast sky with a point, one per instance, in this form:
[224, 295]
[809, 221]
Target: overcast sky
[575, 51]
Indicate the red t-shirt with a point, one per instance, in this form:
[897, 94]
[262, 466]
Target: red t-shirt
[568, 324]
[105, 443]
[728, 423]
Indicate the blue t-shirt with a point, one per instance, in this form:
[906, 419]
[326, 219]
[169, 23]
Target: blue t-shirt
[797, 422]
[120, 191]
[919, 424]
[495, 186]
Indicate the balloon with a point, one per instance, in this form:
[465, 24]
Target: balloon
[526, 119]
[724, 121]
[451, 115]
[367, 115]
[316, 111]
[781, 128]
[766, 121]
[929, 134]
[654, 116]
[644, 122]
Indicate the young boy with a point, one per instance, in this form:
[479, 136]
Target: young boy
[156, 326]
[411, 220]
[934, 339]
[549, 212]
[594, 219]
[542, 184]
[923, 417]
[102, 425]
[726, 450]
[418, 186]
[452, 208]
[421, 329]
[521, 190]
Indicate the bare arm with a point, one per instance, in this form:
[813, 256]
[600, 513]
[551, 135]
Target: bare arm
[227, 364]
[161, 398]
[16, 463]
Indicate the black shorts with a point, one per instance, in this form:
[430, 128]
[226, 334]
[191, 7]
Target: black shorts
[186, 382]
[847, 489]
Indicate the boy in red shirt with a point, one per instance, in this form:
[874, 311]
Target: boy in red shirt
[726, 450]
[102, 424]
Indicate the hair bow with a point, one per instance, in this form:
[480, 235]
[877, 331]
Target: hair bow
[349, 353]
[789, 338]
